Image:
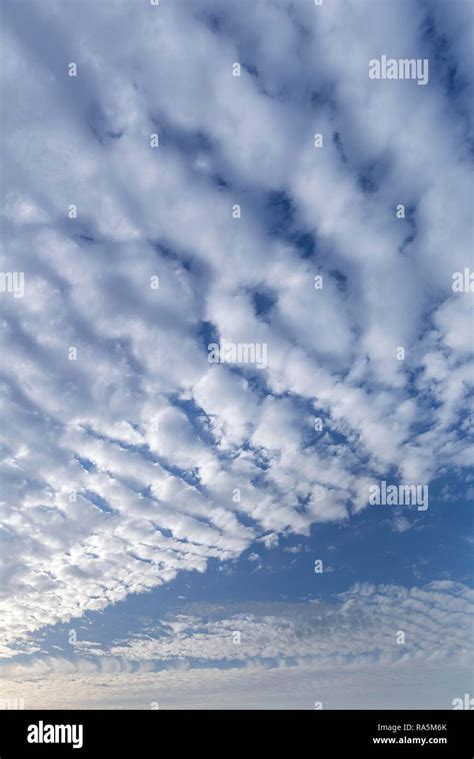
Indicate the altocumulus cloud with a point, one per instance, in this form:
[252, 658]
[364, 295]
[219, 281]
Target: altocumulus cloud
[272, 655]
[125, 456]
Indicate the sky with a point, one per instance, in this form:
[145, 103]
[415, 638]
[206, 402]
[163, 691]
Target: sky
[284, 522]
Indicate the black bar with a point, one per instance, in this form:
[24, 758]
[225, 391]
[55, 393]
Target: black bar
[189, 733]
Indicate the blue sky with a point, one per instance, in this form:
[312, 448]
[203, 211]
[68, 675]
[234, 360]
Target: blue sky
[161, 515]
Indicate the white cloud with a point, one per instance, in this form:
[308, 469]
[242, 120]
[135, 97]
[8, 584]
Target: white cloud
[155, 479]
[289, 655]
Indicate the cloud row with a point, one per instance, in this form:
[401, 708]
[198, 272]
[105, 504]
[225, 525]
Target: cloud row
[308, 652]
[138, 459]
